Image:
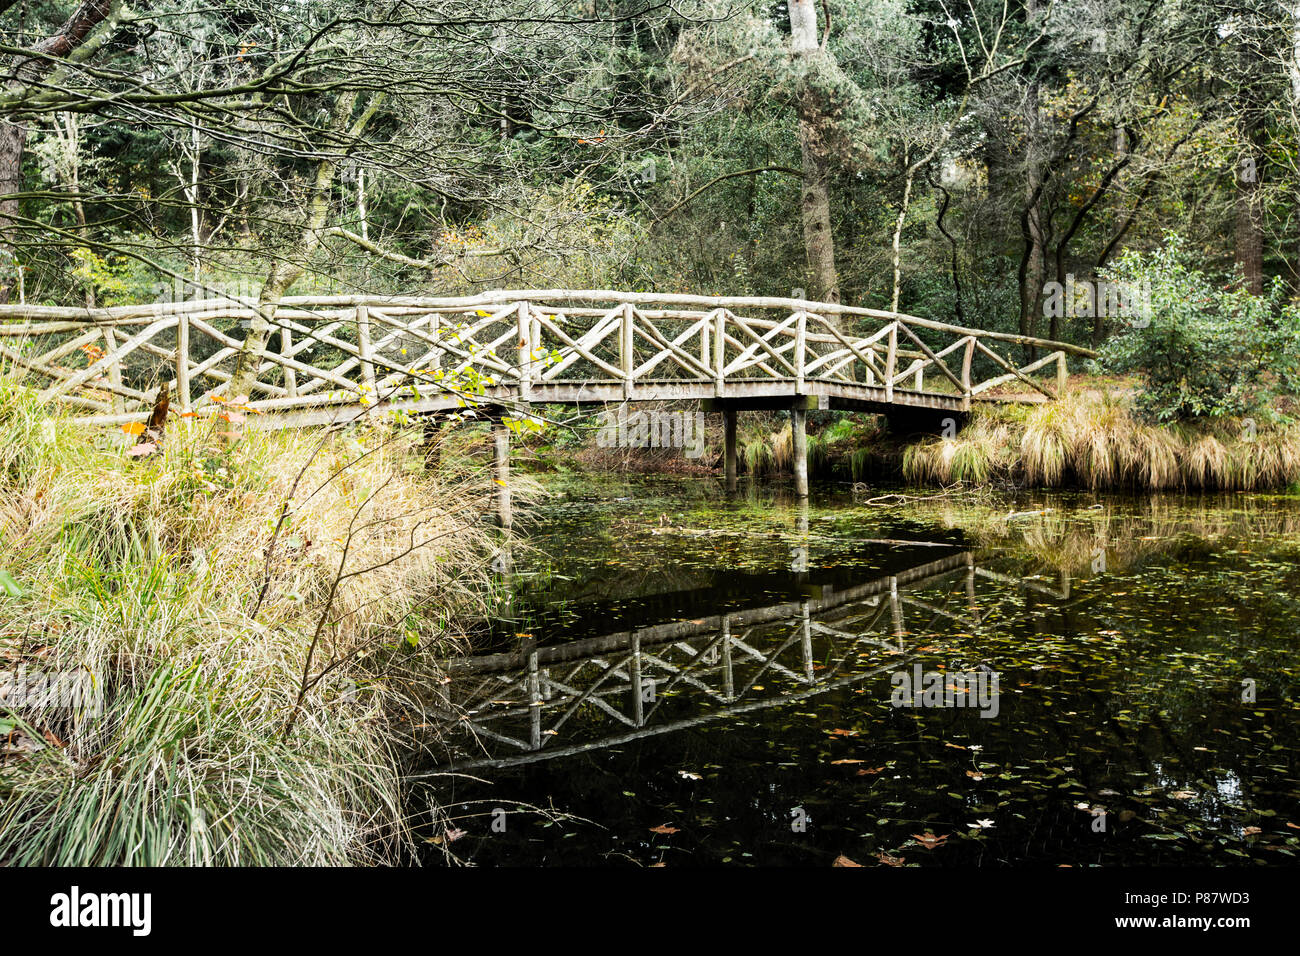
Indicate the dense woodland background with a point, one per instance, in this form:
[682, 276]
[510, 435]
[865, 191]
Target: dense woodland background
[948, 157]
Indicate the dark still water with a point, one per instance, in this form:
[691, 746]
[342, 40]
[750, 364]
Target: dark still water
[683, 677]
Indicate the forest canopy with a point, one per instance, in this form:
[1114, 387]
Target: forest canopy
[958, 159]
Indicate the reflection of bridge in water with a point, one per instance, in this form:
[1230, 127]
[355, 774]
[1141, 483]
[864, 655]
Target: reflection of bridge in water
[544, 702]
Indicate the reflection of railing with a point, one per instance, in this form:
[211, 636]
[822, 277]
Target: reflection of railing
[521, 345]
[547, 702]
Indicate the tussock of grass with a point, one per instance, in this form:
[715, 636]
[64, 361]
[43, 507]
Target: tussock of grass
[1095, 442]
[762, 451]
[146, 574]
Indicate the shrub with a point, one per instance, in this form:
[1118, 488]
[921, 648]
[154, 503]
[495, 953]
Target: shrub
[1207, 349]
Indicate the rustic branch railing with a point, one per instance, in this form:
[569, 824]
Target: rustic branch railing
[514, 346]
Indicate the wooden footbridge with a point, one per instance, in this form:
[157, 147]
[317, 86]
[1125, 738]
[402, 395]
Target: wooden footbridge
[333, 359]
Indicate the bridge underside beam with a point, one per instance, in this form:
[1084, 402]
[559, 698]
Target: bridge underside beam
[774, 403]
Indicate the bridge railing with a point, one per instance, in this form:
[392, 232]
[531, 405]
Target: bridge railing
[338, 351]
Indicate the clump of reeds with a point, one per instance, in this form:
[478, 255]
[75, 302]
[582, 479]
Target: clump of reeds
[761, 449]
[260, 619]
[1094, 441]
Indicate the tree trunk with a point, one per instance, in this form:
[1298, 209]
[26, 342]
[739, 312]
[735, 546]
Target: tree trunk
[13, 139]
[1249, 239]
[1032, 262]
[74, 33]
[815, 203]
[284, 273]
[1249, 232]
[286, 270]
[897, 244]
[1033, 259]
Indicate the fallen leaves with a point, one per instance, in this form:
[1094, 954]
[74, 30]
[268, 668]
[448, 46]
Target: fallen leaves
[843, 860]
[664, 829]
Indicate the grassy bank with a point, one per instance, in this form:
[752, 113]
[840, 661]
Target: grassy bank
[257, 699]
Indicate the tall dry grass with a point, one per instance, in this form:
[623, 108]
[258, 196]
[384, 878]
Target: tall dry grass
[255, 701]
[1094, 441]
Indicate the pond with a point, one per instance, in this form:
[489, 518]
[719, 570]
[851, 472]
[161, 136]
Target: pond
[682, 676]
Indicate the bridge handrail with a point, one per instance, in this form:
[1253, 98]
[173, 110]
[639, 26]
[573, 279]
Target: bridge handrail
[506, 296]
[522, 345]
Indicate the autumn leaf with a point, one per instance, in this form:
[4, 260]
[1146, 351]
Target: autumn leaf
[846, 760]
[844, 733]
[664, 829]
[134, 428]
[843, 860]
[867, 771]
[142, 449]
[929, 840]
[888, 860]
[447, 836]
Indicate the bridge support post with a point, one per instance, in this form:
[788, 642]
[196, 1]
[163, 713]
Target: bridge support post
[501, 443]
[799, 430]
[729, 443]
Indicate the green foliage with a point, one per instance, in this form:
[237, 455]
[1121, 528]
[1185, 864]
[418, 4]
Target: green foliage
[1208, 349]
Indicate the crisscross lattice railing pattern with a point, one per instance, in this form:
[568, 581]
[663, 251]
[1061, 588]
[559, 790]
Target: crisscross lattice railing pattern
[330, 352]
